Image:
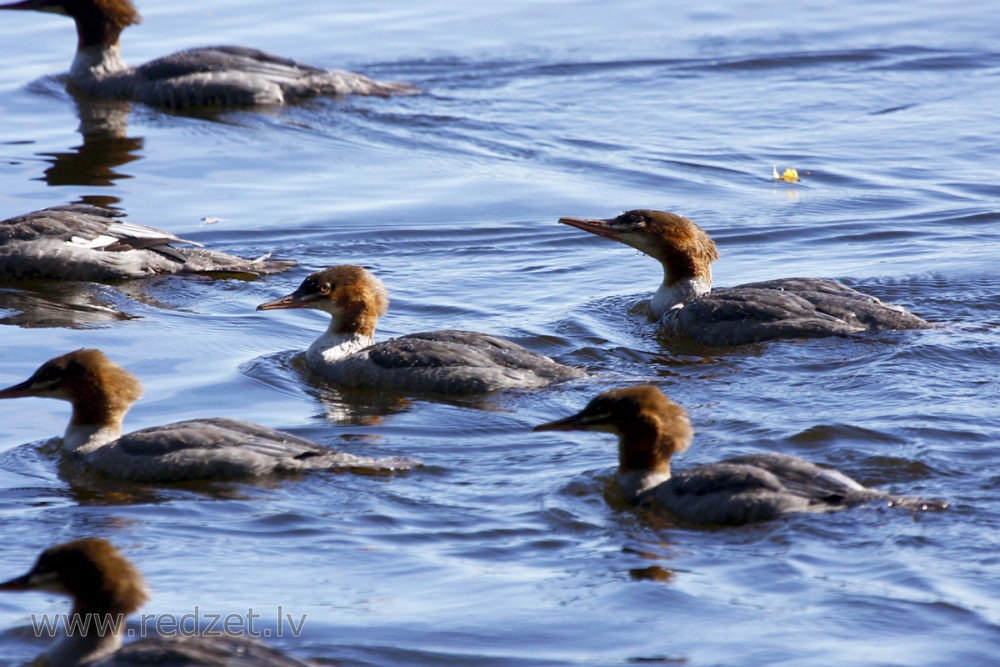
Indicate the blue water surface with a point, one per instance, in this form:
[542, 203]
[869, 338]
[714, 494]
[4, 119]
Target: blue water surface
[504, 549]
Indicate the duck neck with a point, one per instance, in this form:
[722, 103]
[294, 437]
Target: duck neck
[91, 633]
[335, 345]
[100, 64]
[636, 483]
[644, 453]
[94, 423]
[98, 54]
[82, 438]
[677, 290]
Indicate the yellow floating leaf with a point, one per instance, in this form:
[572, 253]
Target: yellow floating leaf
[789, 175]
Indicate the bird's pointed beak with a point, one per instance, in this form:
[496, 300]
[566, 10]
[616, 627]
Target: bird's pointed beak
[19, 390]
[48, 6]
[598, 227]
[293, 300]
[25, 4]
[570, 423]
[22, 583]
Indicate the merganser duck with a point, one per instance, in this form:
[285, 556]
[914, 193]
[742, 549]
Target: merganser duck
[742, 489]
[435, 361]
[787, 308]
[220, 76]
[198, 449]
[105, 588]
[83, 242]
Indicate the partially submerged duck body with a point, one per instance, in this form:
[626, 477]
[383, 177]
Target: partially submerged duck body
[739, 490]
[101, 392]
[229, 76]
[783, 308]
[217, 76]
[83, 242]
[448, 361]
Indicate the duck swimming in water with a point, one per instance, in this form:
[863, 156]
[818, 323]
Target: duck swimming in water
[83, 242]
[218, 76]
[739, 490]
[451, 362]
[688, 307]
[101, 392]
[105, 588]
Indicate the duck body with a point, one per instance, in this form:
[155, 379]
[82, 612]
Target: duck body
[105, 586]
[447, 361]
[735, 491]
[83, 242]
[783, 308]
[224, 76]
[220, 76]
[751, 488]
[198, 449]
[687, 305]
[210, 449]
[198, 651]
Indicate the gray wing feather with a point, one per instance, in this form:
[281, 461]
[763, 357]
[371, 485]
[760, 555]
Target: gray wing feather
[87, 223]
[61, 222]
[237, 76]
[220, 59]
[82, 242]
[727, 476]
[214, 434]
[802, 477]
[757, 487]
[788, 308]
[438, 349]
[220, 449]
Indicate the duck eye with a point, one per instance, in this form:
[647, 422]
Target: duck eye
[324, 288]
[49, 376]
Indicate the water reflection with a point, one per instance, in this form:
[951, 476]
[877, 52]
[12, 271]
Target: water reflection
[288, 372]
[72, 305]
[89, 489]
[368, 406]
[105, 147]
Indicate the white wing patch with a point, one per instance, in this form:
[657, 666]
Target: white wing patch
[122, 232]
[126, 230]
[101, 241]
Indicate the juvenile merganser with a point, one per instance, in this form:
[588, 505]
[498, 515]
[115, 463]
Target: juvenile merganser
[221, 76]
[787, 308]
[82, 242]
[742, 489]
[198, 449]
[105, 588]
[434, 361]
